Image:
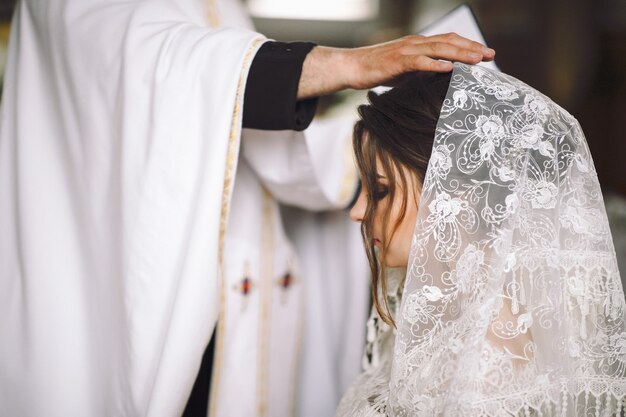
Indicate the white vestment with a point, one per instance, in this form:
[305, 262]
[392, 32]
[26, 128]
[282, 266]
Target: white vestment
[119, 146]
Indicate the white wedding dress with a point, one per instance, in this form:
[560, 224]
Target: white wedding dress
[512, 303]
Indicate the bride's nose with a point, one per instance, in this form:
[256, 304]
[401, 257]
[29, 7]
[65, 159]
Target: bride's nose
[358, 209]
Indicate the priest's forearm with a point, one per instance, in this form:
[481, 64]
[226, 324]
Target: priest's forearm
[327, 70]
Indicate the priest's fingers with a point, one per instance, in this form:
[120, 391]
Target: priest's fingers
[454, 39]
[426, 56]
[380, 64]
[419, 57]
[424, 63]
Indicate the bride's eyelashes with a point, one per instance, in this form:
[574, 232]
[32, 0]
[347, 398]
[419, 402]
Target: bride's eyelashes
[381, 192]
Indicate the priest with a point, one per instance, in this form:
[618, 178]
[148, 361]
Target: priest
[139, 223]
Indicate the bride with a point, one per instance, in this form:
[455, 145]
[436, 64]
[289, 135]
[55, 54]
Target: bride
[495, 284]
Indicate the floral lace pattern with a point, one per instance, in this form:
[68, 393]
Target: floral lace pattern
[513, 303]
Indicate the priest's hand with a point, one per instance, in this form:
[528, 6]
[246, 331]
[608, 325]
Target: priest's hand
[327, 70]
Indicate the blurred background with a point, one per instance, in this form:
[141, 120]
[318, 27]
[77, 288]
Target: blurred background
[574, 51]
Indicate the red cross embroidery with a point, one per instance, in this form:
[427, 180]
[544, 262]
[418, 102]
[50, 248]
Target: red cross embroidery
[286, 280]
[245, 286]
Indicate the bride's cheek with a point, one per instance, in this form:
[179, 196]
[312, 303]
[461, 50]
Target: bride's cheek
[408, 232]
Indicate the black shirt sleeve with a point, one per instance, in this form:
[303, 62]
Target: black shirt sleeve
[270, 99]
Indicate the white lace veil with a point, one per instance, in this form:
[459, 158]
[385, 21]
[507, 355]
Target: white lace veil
[513, 303]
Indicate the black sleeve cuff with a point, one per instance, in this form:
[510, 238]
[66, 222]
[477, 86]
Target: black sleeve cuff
[270, 99]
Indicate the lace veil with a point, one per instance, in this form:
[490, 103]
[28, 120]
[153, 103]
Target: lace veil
[513, 303]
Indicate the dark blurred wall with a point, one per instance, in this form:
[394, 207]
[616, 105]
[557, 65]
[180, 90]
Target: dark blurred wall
[574, 51]
[6, 10]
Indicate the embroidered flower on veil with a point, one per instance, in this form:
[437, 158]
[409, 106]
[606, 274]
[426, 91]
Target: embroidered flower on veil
[531, 137]
[418, 310]
[580, 219]
[460, 98]
[447, 216]
[535, 106]
[524, 322]
[468, 269]
[440, 162]
[490, 127]
[445, 208]
[542, 194]
[502, 91]
[617, 346]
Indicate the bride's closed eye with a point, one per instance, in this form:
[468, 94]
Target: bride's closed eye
[380, 192]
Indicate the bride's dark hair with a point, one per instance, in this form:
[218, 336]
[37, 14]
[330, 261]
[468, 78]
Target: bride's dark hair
[397, 128]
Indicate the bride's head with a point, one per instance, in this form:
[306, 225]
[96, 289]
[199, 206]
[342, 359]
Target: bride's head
[392, 143]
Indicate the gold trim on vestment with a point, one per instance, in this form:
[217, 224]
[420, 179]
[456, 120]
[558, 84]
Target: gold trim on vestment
[295, 368]
[212, 14]
[231, 165]
[267, 256]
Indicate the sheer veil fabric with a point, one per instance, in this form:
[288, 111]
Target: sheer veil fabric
[512, 303]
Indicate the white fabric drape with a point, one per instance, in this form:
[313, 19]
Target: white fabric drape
[512, 303]
[118, 144]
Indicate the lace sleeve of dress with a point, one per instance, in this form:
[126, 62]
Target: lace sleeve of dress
[270, 98]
